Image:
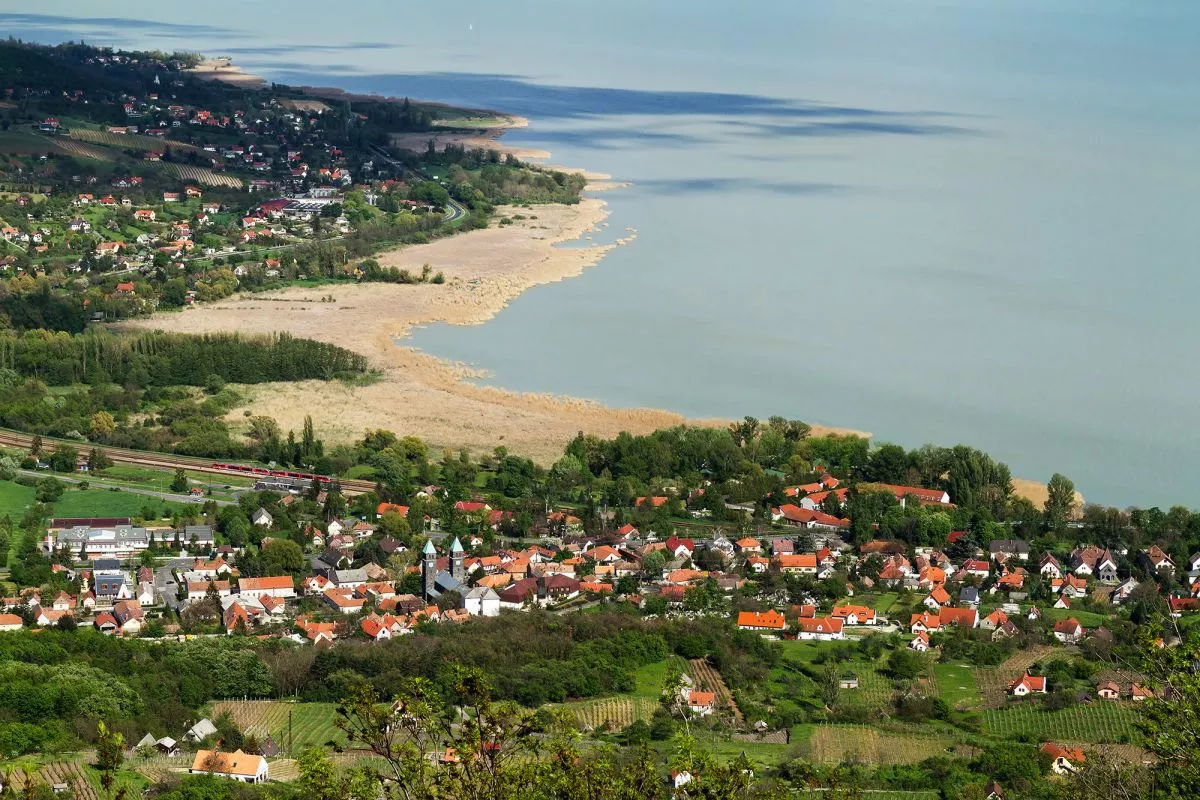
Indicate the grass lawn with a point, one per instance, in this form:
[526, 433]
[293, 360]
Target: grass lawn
[107, 503]
[884, 602]
[14, 499]
[1088, 619]
[956, 685]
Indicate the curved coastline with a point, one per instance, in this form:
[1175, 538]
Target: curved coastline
[420, 394]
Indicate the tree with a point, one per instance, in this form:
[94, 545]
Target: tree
[1170, 723]
[180, 482]
[98, 460]
[103, 424]
[64, 458]
[653, 563]
[1060, 500]
[110, 754]
[283, 557]
[831, 684]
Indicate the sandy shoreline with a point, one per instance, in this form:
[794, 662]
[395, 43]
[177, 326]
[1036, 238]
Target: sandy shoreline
[419, 394]
[223, 69]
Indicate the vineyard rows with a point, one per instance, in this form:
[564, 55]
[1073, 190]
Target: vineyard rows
[81, 150]
[128, 141]
[615, 713]
[1100, 722]
[707, 679]
[206, 177]
[312, 724]
[994, 681]
[59, 772]
[838, 744]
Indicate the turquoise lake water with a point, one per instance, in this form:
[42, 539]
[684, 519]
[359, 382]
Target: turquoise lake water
[940, 221]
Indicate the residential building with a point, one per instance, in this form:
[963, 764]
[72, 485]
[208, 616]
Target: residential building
[236, 766]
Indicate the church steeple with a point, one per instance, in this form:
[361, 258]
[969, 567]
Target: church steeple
[456, 561]
[428, 568]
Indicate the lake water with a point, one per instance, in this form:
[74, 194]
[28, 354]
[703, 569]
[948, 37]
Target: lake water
[940, 220]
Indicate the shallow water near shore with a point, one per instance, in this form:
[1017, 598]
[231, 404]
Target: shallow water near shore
[943, 220]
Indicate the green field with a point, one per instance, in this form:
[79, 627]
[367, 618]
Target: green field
[956, 685]
[107, 503]
[1088, 619]
[1100, 722]
[14, 499]
[884, 603]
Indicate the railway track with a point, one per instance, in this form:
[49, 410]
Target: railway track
[120, 455]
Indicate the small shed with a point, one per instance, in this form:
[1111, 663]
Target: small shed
[849, 680]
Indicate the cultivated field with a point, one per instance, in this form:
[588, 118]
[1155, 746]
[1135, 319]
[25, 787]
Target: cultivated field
[994, 681]
[312, 724]
[613, 713]
[837, 744]
[205, 176]
[66, 772]
[1101, 721]
[708, 679]
[128, 141]
[82, 150]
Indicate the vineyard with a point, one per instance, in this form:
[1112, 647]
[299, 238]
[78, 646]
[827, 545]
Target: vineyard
[1099, 722]
[707, 679]
[837, 744]
[81, 150]
[874, 691]
[205, 176]
[994, 681]
[63, 772]
[613, 713]
[127, 141]
[312, 724]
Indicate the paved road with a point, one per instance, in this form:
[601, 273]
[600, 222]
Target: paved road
[454, 210]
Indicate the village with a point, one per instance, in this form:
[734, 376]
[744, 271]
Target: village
[201, 186]
[797, 583]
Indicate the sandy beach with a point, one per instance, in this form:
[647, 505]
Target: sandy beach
[223, 69]
[418, 394]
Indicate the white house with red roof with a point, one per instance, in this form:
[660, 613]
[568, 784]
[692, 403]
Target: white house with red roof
[1028, 684]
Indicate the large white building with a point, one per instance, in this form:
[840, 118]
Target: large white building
[118, 541]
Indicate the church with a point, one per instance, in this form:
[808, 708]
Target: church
[479, 601]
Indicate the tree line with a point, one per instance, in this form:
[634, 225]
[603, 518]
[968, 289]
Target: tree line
[170, 359]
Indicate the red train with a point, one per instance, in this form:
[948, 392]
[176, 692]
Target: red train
[275, 473]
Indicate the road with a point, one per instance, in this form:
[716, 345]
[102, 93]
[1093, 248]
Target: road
[454, 210]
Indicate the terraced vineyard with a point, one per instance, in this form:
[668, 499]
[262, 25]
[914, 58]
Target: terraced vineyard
[1100, 722]
[836, 744]
[205, 176]
[312, 723]
[994, 681]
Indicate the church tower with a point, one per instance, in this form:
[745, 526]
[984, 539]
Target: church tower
[456, 561]
[428, 569]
